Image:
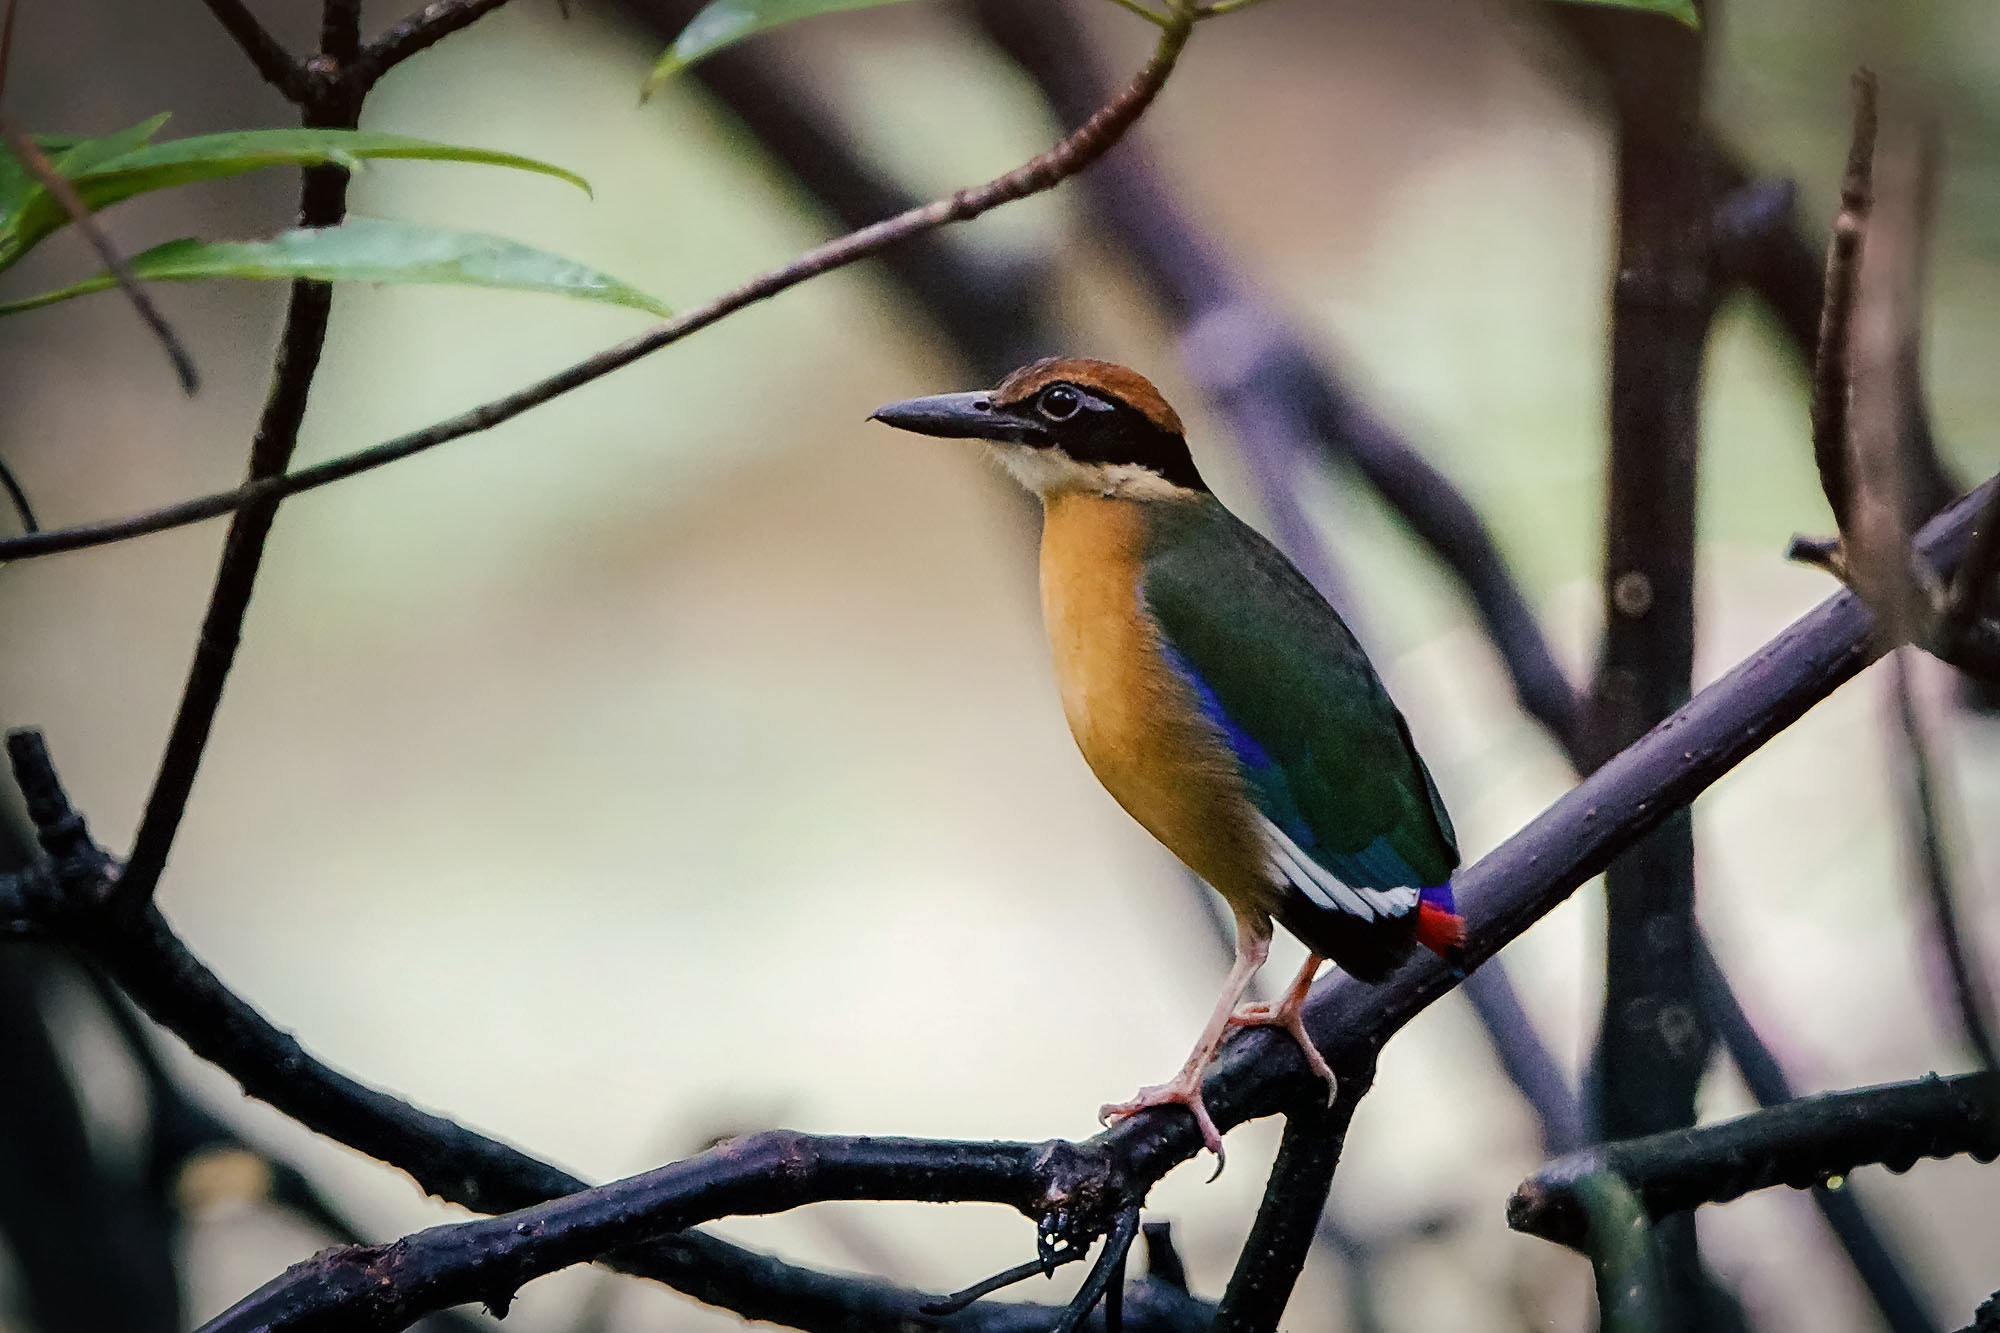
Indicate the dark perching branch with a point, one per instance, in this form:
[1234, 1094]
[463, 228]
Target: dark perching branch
[1802, 1143]
[1074, 152]
[1653, 1043]
[488, 1260]
[1288, 1219]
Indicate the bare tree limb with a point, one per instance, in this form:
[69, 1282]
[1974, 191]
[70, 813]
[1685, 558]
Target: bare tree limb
[1072, 154]
[1653, 1043]
[1801, 1143]
[419, 32]
[1294, 1198]
[267, 53]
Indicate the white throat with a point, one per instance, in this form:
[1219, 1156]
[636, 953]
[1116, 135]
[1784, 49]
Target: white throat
[1049, 472]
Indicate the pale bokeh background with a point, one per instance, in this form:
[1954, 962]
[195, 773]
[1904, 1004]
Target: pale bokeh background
[682, 759]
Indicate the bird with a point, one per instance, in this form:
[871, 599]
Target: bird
[1217, 697]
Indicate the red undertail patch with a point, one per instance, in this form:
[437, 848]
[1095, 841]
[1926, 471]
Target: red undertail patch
[1441, 931]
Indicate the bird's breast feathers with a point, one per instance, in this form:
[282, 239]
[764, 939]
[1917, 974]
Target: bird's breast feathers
[1161, 741]
[1133, 717]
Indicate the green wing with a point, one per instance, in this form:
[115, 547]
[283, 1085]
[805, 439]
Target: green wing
[1328, 759]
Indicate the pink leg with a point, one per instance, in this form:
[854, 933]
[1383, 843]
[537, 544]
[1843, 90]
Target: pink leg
[1289, 1014]
[1253, 944]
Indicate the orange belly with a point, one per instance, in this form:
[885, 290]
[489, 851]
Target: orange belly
[1137, 722]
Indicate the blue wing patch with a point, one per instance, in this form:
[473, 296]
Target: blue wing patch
[1369, 883]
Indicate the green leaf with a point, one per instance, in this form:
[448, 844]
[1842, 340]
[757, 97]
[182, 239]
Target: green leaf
[725, 22]
[1682, 10]
[119, 166]
[369, 250]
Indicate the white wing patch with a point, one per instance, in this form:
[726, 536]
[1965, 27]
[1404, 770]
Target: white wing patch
[1291, 864]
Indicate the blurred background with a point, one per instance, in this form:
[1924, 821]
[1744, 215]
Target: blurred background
[682, 759]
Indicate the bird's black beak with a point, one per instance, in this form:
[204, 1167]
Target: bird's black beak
[954, 416]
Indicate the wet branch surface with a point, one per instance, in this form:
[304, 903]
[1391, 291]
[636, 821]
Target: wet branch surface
[1801, 1143]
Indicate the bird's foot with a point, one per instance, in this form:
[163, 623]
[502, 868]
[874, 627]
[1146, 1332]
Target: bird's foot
[1289, 1014]
[1183, 1090]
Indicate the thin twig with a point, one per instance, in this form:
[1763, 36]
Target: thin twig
[277, 65]
[1110, 1266]
[1843, 265]
[1000, 1281]
[420, 31]
[1069, 156]
[7, 41]
[30, 156]
[18, 497]
[322, 203]
[1923, 819]
[1800, 1143]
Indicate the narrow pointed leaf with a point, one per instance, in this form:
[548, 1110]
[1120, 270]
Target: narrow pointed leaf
[725, 22]
[370, 250]
[105, 171]
[1683, 10]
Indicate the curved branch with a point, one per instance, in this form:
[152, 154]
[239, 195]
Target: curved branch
[1801, 1144]
[267, 53]
[419, 32]
[1288, 1219]
[1070, 155]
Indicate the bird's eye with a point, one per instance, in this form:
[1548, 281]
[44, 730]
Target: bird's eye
[1060, 402]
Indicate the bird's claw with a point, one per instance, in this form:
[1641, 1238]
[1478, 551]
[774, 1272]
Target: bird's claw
[1183, 1091]
[1290, 1017]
